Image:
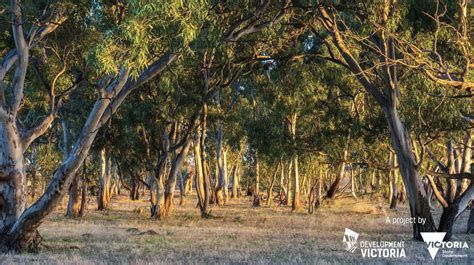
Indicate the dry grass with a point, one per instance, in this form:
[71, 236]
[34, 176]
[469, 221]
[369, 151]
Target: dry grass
[238, 233]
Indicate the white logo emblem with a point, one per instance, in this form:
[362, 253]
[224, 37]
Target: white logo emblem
[435, 242]
[433, 239]
[350, 238]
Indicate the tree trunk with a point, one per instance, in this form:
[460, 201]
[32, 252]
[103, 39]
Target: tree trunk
[203, 184]
[319, 183]
[272, 184]
[394, 198]
[339, 175]
[198, 176]
[235, 181]
[182, 184]
[295, 199]
[153, 196]
[377, 182]
[172, 178]
[205, 167]
[403, 193]
[256, 197]
[74, 204]
[220, 169]
[470, 222]
[451, 183]
[446, 222]
[353, 184]
[134, 191]
[289, 184]
[226, 179]
[392, 182]
[295, 202]
[157, 200]
[83, 208]
[282, 183]
[239, 186]
[103, 196]
[409, 171]
[12, 176]
[311, 199]
[467, 159]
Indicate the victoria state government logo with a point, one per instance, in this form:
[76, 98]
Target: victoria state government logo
[434, 240]
[373, 249]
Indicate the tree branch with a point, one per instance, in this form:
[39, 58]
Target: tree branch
[436, 192]
[253, 24]
[150, 72]
[50, 20]
[464, 175]
[22, 50]
[331, 25]
[29, 136]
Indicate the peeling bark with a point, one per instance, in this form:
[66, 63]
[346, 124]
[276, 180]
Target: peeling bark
[13, 182]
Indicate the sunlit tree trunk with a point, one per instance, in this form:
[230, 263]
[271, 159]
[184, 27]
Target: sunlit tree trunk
[176, 167]
[198, 175]
[205, 167]
[256, 197]
[157, 200]
[75, 198]
[295, 202]
[153, 196]
[226, 179]
[353, 183]
[220, 168]
[104, 180]
[339, 175]
[289, 183]
[272, 184]
[377, 181]
[403, 193]
[203, 184]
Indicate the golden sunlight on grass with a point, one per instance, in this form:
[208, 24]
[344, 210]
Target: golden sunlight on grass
[237, 233]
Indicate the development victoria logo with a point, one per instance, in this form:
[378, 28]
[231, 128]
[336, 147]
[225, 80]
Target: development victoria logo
[373, 249]
[434, 240]
[350, 238]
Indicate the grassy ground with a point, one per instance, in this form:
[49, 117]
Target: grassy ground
[238, 233]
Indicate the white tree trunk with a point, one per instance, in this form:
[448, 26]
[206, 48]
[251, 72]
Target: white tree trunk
[12, 176]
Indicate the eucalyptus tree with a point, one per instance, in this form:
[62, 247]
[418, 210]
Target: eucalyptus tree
[124, 73]
[377, 63]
